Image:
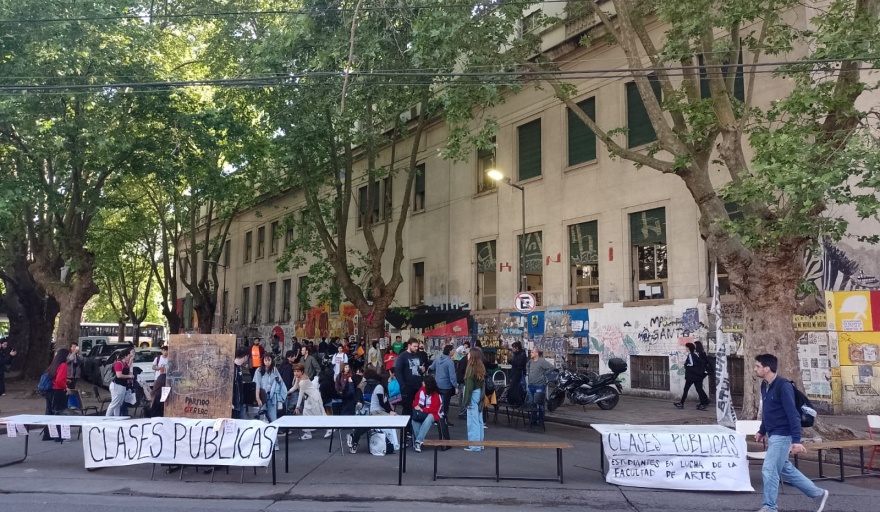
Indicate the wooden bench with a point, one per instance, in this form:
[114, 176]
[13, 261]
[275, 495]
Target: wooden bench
[861, 444]
[438, 443]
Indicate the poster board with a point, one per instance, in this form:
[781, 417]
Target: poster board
[683, 457]
[200, 370]
[178, 441]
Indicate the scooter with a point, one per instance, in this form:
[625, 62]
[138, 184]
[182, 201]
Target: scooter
[589, 388]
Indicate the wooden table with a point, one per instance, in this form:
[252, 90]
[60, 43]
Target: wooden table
[861, 444]
[42, 420]
[344, 422]
[438, 443]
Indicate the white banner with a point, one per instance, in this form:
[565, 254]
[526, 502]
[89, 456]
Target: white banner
[724, 411]
[694, 461]
[178, 441]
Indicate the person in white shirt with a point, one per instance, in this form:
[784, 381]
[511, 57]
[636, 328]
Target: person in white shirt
[160, 364]
[340, 358]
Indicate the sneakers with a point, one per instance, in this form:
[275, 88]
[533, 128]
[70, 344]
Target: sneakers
[822, 499]
[277, 447]
[418, 447]
[349, 440]
[678, 405]
[328, 434]
[306, 436]
[765, 509]
[473, 449]
[701, 407]
[353, 447]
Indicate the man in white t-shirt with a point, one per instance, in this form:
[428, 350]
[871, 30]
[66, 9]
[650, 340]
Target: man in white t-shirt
[339, 359]
[160, 365]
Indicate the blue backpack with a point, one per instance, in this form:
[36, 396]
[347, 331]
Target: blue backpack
[45, 384]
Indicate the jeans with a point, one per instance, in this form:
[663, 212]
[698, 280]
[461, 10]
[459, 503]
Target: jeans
[420, 430]
[538, 415]
[475, 420]
[56, 401]
[408, 394]
[777, 465]
[698, 385]
[462, 403]
[117, 398]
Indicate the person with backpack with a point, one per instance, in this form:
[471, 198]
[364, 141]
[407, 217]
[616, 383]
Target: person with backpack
[781, 428]
[56, 396]
[271, 391]
[444, 372]
[694, 373]
[375, 403]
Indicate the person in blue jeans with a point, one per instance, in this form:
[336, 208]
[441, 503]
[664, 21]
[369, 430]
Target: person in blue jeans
[537, 370]
[474, 390]
[781, 428]
[427, 401]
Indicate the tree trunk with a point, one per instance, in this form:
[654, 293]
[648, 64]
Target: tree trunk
[769, 306]
[120, 338]
[205, 312]
[69, 318]
[72, 294]
[31, 319]
[173, 320]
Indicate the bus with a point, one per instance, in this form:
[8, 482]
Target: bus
[91, 333]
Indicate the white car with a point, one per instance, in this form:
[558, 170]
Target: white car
[143, 359]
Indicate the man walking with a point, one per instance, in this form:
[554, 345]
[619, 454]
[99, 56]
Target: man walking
[781, 427]
[536, 370]
[406, 369]
[694, 373]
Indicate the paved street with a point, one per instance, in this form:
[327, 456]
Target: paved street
[322, 481]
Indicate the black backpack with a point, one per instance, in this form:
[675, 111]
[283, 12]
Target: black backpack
[804, 407]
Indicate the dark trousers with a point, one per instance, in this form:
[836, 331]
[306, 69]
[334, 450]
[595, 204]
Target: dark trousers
[407, 394]
[445, 397]
[2, 382]
[698, 385]
[56, 401]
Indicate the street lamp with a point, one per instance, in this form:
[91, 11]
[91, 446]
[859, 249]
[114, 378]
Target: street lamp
[496, 175]
[223, 309]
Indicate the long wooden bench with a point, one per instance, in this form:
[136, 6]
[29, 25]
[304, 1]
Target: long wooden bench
[861, 444]
[439, 443]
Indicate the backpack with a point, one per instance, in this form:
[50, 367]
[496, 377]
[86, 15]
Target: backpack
[804, 407]
[45, 384]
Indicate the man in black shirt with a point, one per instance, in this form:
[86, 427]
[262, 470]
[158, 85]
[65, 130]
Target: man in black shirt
[408, 372]
[241, 357]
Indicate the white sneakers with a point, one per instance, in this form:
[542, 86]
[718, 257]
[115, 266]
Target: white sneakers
[328, 434]
[822, 499]
[306, 436]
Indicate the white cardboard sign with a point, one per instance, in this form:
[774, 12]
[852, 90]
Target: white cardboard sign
[179, 441]
[676, 457]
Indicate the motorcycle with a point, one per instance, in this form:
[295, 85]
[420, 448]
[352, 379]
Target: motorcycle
[589, 387]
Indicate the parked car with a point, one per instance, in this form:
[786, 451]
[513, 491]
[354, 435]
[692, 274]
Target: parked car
[143, 359]
[96, 358]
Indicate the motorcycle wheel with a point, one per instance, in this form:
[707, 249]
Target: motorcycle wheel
[555, 401]
[610, 402]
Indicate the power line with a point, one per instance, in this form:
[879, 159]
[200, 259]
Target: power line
[484, 76]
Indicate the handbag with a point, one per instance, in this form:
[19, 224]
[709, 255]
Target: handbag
[419, 416]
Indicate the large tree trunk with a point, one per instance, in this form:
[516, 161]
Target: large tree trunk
[768, 312]
[174, 321]
[31, 319]
[205, 312]
[72, 305]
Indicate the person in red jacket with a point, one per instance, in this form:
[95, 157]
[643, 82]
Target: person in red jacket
[426, 411]
[389, 360]
[56, 399]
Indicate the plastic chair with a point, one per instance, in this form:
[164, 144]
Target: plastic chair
[873, 428]
[103, 402]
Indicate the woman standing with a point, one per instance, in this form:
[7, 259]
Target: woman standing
[426, 411]
[122, 379]
[374, 356]
[271, 390]
[56, 399]
[474, 389]
[309, 401]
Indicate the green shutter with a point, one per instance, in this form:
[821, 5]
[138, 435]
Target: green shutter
[581, 140]
[486, 256]
[530, 150]
[648, 227]
[739, 86]
[583, 240]
[420, 178]
[534, 254]
[638, 124]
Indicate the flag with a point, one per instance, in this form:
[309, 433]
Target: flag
[723, 401]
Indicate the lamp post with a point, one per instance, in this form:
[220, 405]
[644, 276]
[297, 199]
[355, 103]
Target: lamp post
[496, 175]
[223, 317]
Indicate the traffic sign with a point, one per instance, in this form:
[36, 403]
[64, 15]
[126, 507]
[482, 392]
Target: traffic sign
[525, 302]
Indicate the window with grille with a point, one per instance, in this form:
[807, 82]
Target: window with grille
[649, 254]
[583, 255]
[248, 245]
[419, 192]
[285, 300]
[258, 304]
[270, 312]
[261, 242]
[245, 305]
[418, 284]
[485, 163]
[532, 258]
[273, 238]
[486, 275]
[649, 372]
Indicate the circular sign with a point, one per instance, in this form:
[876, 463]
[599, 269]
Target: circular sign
[525, 302]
